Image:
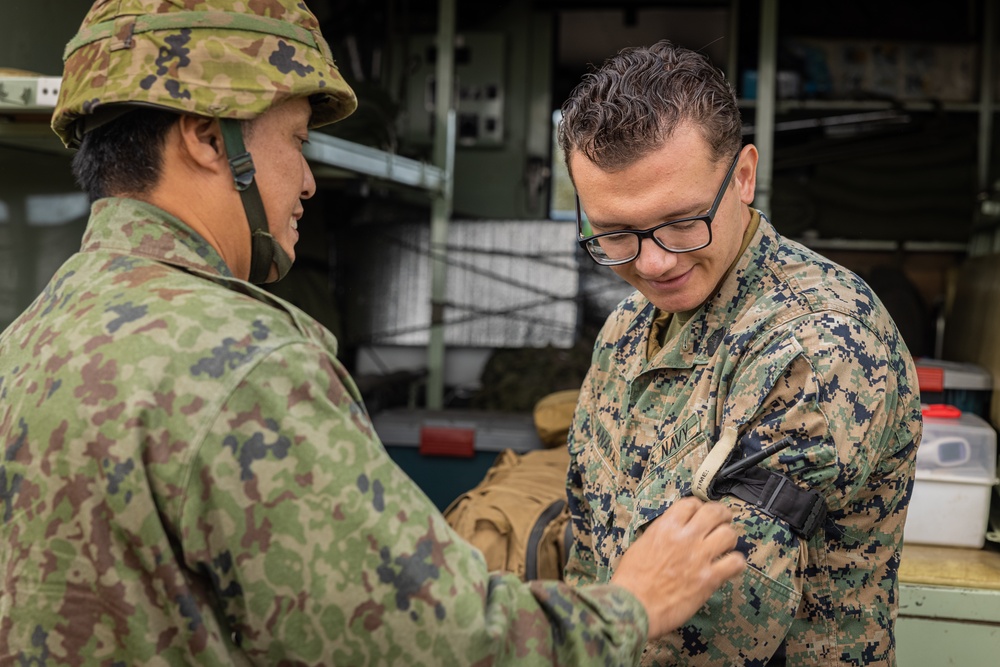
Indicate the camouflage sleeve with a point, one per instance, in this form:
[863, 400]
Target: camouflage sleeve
[580, 568]
[320, 550]
[829, 384]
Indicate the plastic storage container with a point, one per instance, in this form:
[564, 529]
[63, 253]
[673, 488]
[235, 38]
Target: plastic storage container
[966, 386]
[447, 452]
[956, 470]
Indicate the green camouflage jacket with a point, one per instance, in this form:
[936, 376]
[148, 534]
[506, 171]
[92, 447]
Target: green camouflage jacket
[188, 476]
[791, 346]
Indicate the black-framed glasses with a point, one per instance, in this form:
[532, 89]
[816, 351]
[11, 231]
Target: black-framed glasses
[683, 235]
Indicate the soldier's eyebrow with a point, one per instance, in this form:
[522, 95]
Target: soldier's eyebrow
[678, 212]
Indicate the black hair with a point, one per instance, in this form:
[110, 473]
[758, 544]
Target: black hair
[125, 155]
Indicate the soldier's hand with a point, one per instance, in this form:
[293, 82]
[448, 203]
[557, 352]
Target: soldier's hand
[681, 559]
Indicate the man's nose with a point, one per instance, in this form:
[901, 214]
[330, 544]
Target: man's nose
[654, 260]
[308, 181]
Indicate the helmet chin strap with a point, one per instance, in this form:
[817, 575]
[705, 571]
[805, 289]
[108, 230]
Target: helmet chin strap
[264, 249]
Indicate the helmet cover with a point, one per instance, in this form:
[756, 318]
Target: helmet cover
[218, 58]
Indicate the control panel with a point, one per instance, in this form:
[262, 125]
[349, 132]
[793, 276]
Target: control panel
[479, 89]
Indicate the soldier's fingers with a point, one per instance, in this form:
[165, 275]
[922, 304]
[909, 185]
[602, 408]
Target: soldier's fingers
[709, 517]
[677, 517]
[721, 539]
[729, 566]
[683, 511]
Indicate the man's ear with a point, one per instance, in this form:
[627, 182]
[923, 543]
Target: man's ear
[201, 142]
[746, 173]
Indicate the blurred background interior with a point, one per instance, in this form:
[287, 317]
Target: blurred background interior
[877, 141]
[874, 121]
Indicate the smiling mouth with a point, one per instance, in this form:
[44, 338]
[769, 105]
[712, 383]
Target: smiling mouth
[666, 283]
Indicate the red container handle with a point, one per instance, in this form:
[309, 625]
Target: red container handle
[940, 411]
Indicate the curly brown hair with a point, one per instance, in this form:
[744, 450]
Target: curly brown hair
[634, 102]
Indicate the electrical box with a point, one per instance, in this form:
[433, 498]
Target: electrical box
[28, 93]
[479, 89]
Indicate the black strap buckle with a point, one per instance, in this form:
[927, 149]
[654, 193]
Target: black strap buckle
[815, 517]
[803, 509]
[768, 506]
[776, 495]
[243, 170]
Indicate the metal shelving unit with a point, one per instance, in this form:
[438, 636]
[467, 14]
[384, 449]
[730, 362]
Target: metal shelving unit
[24, 124]
[27, 100]
[350, 157]
[768, 106]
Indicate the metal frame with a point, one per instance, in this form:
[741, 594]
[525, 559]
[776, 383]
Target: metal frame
[356, 158]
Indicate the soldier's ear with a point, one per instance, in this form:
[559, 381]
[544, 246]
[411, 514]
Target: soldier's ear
[201, 142]
[746, 173]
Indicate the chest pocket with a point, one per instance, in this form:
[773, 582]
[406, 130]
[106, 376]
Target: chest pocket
[600, 488]
[624, 490]
[668, 473]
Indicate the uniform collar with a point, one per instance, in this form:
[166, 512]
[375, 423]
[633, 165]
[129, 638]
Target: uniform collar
[708, 325]
[136, 228]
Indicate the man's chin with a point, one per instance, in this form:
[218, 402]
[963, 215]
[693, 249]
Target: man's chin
[666, 302]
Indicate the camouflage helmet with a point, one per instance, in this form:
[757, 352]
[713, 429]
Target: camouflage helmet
[219, 58]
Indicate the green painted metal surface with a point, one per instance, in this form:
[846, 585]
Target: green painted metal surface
[940, 626]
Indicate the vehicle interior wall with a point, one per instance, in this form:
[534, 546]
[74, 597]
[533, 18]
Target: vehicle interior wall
[972, 328]
[876, 143]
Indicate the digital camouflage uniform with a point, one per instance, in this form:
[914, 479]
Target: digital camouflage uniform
[188, 476]
[791, 345]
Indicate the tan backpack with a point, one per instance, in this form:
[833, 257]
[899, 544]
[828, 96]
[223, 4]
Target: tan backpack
[517, 516]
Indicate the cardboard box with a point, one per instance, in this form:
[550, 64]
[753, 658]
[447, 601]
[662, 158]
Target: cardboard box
[956, 470]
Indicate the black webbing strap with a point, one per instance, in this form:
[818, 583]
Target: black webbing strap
[535, 537]
[264, 250]
[803, 510]
[567, 543]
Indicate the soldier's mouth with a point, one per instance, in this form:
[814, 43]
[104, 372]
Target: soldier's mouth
[671, 283]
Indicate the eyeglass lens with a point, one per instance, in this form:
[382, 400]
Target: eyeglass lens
[677, 237]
